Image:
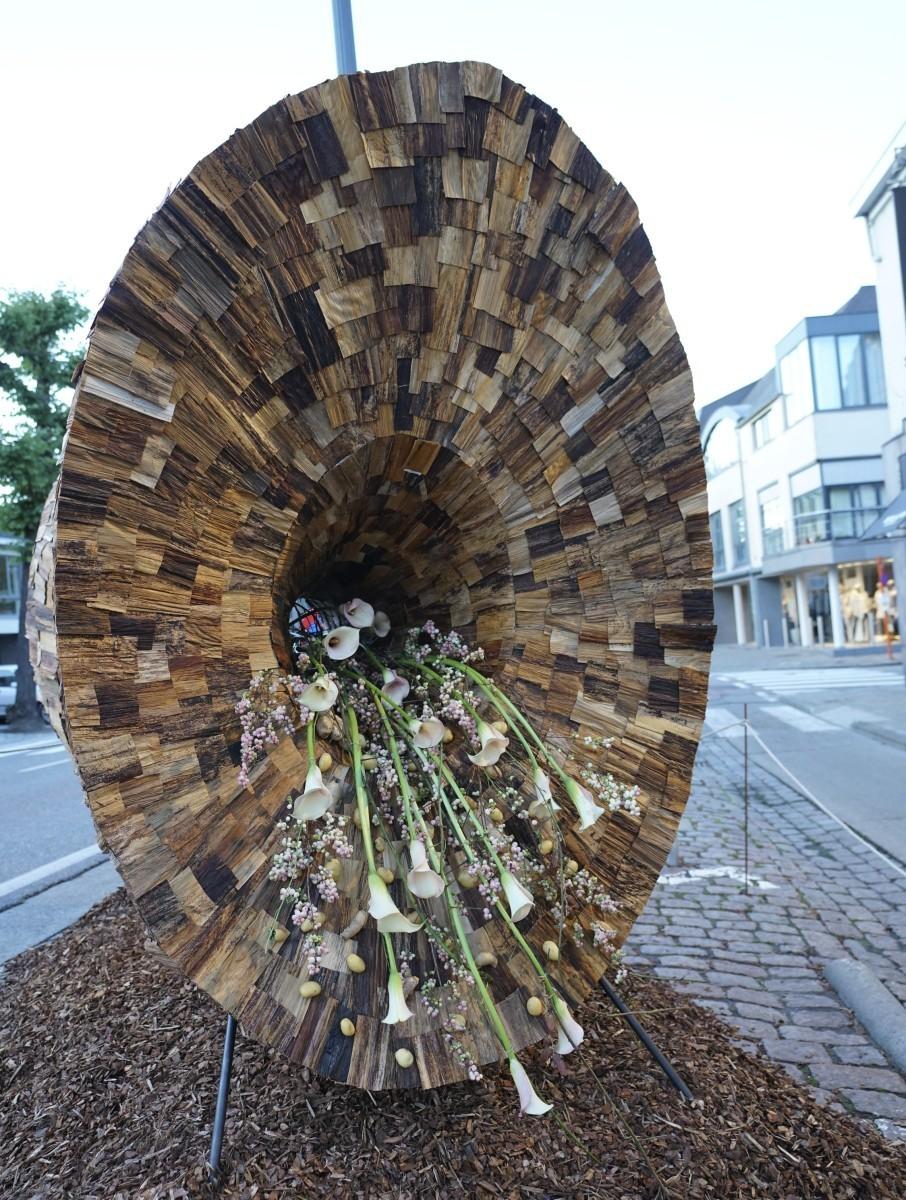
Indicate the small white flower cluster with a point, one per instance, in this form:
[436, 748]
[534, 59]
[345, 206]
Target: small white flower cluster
[269, 708]
[612, 794]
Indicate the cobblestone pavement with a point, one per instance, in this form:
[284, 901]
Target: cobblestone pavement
[757, 959]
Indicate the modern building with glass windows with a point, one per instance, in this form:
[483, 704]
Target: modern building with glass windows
[795, 478]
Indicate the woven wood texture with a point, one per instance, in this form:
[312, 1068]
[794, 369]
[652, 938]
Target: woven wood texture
[401, 332]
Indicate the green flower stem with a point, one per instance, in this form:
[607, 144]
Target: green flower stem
[379, 694]
[310, 735]
[501, 908]
[437, 865]
[486, 999]
[479, 828]
[426, 671]
[369, 653]
[402, 779]
[507, 707]
[388, 950]
[361, 795]
[364, 812]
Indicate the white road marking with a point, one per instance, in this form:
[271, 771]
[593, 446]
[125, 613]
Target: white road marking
[803, 721]
[41, 766]
[817, 679]
[28, 748]
[51, 868]
[723, 721]
[49, 750]
[691, 874]
[847, 714]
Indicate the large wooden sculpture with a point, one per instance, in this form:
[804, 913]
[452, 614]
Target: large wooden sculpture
[403, 328]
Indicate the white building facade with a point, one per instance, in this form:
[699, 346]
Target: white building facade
[884, 213]
[795, 479]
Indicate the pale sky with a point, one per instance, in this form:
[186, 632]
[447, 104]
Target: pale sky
[744, 131]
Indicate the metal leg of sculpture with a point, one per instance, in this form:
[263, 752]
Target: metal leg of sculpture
[223, 1095]
[662, 1061]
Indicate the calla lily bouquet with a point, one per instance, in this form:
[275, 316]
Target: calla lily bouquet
[454, 786]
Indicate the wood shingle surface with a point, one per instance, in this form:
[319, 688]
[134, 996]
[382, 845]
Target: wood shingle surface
[402, 333]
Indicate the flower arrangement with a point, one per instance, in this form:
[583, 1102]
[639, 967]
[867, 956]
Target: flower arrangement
[452, 782]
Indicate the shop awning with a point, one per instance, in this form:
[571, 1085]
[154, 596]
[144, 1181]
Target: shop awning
[890, 522]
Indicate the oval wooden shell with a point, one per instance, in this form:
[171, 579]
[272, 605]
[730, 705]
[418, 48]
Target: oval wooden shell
[403, 333]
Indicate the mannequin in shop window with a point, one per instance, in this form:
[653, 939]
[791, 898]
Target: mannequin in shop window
[855, 610]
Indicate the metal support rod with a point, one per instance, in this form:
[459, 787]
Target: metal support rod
[662, 1061]
[344, 37]
[745, 793]
[223, 1095]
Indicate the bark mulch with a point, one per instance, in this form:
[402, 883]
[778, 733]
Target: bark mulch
[108, 1069]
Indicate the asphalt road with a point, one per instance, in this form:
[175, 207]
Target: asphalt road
[41, 806]
[44, 820]
[840, 730]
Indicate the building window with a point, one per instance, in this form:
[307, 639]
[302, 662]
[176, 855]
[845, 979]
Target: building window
[848, 370]
[827, 378]
[874, 368]
[9, 583]
[717, 541]
[852, 375]
[853, 507]
[763, 429]
[809, 517]
[721, 450]
[771, 519]
[738, 534]
[796, 383]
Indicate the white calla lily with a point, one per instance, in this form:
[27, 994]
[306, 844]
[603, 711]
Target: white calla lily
[382, 908]
[395, 687]
[381, 624]
[422, 880]
[397, 1008]
[544, 798]
[426, 734]
[529, 1101]
[570, 1033]
[493, 745]
[358, 613]
[584, 802]
[519, 899]
[320, 695]
[315, 800]
[341, 642]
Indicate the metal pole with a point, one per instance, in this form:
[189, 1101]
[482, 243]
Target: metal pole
[745, 792]
[664, 1063]
[223, 1095]
[344, 37]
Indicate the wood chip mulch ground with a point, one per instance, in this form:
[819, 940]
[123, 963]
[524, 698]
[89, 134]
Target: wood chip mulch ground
[108, 1070]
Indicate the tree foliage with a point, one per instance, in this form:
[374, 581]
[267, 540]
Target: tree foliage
[35, 368]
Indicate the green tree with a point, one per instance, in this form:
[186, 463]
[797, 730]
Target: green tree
[35, 372]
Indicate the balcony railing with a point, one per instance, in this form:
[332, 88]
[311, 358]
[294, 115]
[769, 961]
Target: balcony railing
[827, 525]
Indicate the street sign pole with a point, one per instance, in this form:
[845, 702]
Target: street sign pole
[344, 37]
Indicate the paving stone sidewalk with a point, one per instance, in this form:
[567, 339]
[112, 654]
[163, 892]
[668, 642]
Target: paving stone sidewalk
[758, 959]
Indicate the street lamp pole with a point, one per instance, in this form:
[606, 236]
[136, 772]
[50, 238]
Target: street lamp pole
[344, 37]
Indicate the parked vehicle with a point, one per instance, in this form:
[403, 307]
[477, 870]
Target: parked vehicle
[7, 690]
